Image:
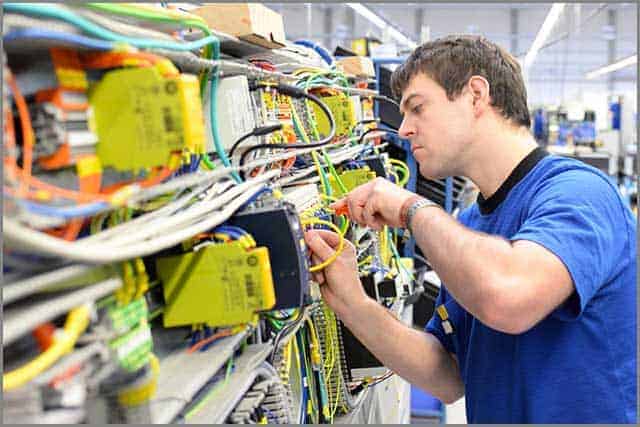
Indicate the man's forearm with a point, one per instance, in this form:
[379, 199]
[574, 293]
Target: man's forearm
[414, 355]
[468, 262]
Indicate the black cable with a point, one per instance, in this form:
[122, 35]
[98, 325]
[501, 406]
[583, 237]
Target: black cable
[293, 92]
[366, 122]
[278, 146]
[296, 92]
[361, 139]
[283, 332]
[387, 100]
[259, 131]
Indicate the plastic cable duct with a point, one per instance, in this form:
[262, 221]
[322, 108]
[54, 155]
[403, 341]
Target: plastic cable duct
[20, 320]
[74, 358]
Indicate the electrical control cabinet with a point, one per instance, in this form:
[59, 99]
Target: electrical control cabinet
[152, 275]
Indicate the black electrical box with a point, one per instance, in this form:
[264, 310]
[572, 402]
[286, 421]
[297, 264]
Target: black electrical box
[389, 113]
[276, 225]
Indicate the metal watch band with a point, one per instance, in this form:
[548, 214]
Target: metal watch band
[413, 209]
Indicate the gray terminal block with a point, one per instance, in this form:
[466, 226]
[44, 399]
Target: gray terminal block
[235, 115]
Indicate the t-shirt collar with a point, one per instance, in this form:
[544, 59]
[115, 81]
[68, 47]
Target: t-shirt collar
[489, 205]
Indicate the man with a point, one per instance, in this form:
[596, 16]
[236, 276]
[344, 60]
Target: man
[537, 318]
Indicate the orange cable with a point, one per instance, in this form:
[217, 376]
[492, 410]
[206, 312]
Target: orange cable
[206, 341]
[27, 129]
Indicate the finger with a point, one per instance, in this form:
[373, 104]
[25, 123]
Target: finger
[317, 245]
[330, 238]
[318, 276]
[356, 211]
[367, 215]
[373, 218]
[339, 204]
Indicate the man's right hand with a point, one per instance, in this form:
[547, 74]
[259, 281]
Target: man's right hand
[375, 204]
[340, 285]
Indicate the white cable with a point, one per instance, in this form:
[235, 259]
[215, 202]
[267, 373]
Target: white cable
[179, 183]
[31, 285]
[38, 242]
[193, 213]
[13, 20]
[166, 210]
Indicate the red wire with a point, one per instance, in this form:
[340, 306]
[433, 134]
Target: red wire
[206, 341]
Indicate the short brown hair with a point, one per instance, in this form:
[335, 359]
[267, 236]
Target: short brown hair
[451, 61]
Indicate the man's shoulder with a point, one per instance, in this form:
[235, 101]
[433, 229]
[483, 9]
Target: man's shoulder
[569, 178]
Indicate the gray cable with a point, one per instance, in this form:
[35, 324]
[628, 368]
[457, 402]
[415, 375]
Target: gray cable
[20, 320]
[22, 288]
[12, 20]
[120, 27]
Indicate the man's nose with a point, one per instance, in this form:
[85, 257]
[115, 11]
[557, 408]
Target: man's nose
[406, 130]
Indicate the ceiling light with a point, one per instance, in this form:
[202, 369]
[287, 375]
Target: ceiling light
[543, 33]
[367, 13]
[612, 67]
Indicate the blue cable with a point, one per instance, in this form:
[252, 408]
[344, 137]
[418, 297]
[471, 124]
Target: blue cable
[255, 196]
[237, 229]
[70, 212]
[232, 233]
[98, 31]
[324, 53]
[76, 39]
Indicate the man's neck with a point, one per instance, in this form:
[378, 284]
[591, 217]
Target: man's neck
[497, 156]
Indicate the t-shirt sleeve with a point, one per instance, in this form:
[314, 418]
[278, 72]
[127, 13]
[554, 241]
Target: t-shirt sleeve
[435, 327]
[578, 216]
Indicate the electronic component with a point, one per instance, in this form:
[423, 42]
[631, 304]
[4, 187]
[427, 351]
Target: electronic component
[360, 361]
[376, 164]
[343, 112]
[219, 284]
[234, 112]
[61, 115]
[266, 402]
[276, 226]
[303, 197]
[330, 339]
[141, 117]
[351, 179]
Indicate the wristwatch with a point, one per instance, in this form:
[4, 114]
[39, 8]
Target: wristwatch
[413, 209]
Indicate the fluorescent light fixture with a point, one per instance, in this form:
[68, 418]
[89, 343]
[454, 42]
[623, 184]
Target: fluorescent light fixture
[543, 33]
[367, 13]
[398, 36]
[633, 59]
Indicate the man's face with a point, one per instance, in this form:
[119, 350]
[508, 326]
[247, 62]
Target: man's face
[439, 130]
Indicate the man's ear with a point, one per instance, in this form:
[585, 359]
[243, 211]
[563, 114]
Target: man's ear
[479, 88]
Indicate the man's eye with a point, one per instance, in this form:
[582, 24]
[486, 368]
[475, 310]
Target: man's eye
[417, 109]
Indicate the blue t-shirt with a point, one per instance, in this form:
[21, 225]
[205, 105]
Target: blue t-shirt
[578, 365]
